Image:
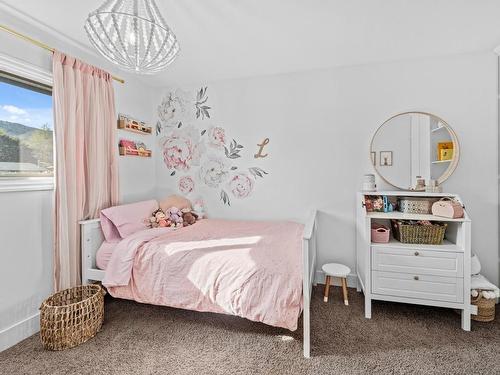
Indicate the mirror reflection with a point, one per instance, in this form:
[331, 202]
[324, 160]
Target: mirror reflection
[412, 146]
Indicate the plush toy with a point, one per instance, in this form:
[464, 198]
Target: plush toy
[175, 217]
[188, 217]
[158, 219]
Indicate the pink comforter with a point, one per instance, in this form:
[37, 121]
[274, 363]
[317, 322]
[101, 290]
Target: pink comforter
[244, 268]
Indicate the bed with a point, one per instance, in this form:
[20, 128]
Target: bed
[230, 267]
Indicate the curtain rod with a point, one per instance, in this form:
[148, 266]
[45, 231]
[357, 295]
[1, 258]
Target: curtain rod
[40, 44]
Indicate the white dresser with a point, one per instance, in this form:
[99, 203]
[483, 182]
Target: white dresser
[435, 275]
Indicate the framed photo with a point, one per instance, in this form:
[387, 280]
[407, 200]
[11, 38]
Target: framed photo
[374, 158]
[385, 159]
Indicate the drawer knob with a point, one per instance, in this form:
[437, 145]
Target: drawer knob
[415, 277]
[417, 253]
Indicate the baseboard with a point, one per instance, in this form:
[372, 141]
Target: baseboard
[352, 279]
[10, 336]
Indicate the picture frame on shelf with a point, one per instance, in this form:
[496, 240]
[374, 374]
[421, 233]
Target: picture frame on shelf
[385, 159]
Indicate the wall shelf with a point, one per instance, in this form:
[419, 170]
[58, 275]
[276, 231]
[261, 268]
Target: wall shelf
[441, 161]
[134, 126]
[138, 153]
[438, 129]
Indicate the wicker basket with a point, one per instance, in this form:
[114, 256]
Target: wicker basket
[485, 309]
[418, 234]
[71, 317]
[415, 205]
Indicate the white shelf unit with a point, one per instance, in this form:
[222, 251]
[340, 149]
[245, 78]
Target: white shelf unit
[433, 275]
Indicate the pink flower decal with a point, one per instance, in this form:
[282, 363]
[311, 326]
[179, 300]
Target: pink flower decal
[214, 171]
[216, 136]
[186, 184]
[182, 148]
[241, 185]
[175, 107]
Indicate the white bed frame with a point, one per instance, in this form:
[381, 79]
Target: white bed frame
[92, 238]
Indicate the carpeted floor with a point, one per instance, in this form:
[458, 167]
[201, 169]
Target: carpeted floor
[144, 339]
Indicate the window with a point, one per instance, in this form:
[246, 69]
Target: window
[26, 128]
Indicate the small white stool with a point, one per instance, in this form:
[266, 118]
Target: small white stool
[336, 270]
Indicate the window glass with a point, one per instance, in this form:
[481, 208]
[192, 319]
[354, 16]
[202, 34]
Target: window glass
[26, 128]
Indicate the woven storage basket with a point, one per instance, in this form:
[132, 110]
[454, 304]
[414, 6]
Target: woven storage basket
[71, 316]
[418, 234]
[415, 205]
[485, 309]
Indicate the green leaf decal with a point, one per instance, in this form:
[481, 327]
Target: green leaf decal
[257, 172]
[224, 198]
[234, 150]
[202, 110]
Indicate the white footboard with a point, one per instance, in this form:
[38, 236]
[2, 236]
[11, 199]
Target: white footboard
[309, 264]
[91, 239]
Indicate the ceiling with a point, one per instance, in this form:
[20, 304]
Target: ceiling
[222, 39]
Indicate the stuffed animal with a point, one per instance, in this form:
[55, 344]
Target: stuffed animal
[188, 217]
[158, 219]
[175, 217]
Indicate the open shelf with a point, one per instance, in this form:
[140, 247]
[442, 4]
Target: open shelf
[445, 246]
[403, 216]
[137, 153]
[441, 161]
[134, 126]
[438, 129]
[408, 193]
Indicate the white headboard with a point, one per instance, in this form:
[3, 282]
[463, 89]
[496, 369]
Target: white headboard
[92, 238]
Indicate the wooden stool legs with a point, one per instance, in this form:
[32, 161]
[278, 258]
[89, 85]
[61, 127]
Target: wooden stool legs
[344, 289]
[327, 288]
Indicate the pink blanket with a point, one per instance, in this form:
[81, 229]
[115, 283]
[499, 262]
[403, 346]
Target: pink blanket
[244, 268]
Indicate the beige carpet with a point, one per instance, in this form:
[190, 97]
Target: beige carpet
[143, 339]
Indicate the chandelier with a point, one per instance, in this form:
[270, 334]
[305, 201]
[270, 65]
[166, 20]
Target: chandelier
[133, 35]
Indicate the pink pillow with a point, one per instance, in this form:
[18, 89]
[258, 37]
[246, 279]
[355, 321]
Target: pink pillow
[175, 201]
[119, 222]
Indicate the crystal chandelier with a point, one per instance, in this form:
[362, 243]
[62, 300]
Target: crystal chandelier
[133, 35]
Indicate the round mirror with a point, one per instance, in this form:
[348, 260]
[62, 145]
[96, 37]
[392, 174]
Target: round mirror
[414, 145]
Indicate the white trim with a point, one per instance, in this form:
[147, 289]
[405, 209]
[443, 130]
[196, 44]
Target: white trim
[19, 331]
[25, 69]
[8, 184]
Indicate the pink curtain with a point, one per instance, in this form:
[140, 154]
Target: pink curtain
[86, 169]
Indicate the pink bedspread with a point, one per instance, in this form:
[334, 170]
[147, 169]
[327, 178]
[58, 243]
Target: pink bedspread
[244, 268]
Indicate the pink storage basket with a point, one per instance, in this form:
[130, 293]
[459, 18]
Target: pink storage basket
[380, 233]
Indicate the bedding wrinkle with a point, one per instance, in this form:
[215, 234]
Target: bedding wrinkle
[244, 268]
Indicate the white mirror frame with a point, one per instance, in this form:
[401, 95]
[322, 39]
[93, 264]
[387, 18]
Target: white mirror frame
[456, 152]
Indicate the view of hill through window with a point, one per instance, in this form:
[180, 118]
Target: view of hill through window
[26, 135]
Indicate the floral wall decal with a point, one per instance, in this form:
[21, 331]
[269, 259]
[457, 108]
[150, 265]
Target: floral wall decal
[241, 185]
[186, 185]
[203, 152]
[182, 148]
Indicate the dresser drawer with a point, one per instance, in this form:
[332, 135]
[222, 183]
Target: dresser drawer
[427, 287]
[418, 262]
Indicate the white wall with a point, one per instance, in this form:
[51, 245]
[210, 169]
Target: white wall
[320, 125]
[26, 260]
